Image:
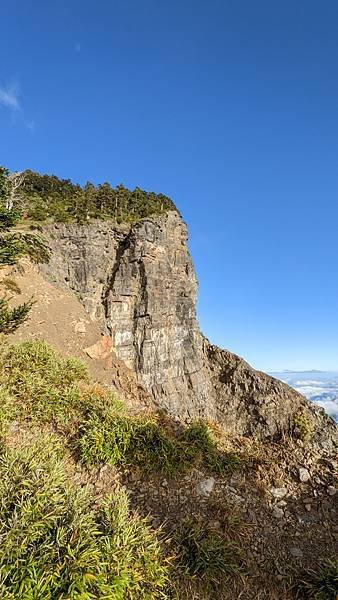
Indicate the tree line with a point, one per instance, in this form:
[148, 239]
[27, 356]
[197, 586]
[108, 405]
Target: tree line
[49, 197]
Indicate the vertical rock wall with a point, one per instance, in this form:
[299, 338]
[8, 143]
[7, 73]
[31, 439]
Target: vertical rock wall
[139, 283]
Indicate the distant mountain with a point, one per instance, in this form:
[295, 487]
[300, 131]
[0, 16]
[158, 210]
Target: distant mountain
[309, 371]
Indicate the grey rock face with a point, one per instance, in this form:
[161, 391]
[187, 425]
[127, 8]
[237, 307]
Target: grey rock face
[139, 283]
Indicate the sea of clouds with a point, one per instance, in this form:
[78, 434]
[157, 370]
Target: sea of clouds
[319, 387]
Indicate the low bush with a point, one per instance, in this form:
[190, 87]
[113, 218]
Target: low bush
[146, 443]
[204, 554]
[15, 245]
[302, 426]
[8, 218]
[35, 247]
[11, 249]
[322, 584]
[12, 318]
[200, 444]
[43, 385]
[56, 544]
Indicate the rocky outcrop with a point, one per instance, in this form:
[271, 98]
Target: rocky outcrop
[58, 318]
[139, 283]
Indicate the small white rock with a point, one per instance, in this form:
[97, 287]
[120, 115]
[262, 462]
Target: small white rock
[304, 474]
[331, 490]
[278, 492]
[278, 512]
[296, 552]
[205, 487]
[80, 327]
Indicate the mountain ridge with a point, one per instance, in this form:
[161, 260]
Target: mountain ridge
[138, 282]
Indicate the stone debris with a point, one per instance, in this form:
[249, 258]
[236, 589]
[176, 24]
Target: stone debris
[80, 327]
[234, 495]
[205, 487]
[304, 475]
[296, 552]
[278, 492]
[278, 512]
[101, 349]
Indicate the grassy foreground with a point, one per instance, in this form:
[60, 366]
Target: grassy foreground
[56, 544]
[57, 540]
[41, 387]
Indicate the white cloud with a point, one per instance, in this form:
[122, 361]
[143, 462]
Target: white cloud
[31, 125]
[9, 96]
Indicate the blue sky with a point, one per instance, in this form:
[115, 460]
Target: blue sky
[231, 108]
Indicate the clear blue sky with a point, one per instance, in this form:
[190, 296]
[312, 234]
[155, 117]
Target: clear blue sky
[231, 108]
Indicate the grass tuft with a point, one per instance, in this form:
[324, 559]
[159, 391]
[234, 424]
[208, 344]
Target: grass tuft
[42, 384]
[148, 444]
[323, 584]
[56, 545]
[200, 444]
[206, 555]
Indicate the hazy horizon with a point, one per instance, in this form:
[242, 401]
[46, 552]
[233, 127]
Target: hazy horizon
[321, 387]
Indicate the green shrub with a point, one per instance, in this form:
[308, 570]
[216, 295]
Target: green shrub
[8, 218]
[146, 443]
[46, 388]
[153, 449]
[199, 442]
[204, 554]
[15, 245]
[35, 247]
[57, 545]
[323, 584]
[42, 384]
[11, 249]
[4, 184]
[122, 439]
[6, 414]
[303, 426]
[12, 318]
[104, 439]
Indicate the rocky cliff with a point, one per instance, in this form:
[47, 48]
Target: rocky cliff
[138, 282]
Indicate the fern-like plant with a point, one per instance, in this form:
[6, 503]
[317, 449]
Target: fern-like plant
[12, 318]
